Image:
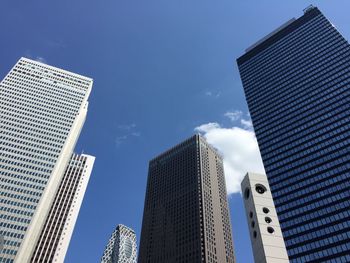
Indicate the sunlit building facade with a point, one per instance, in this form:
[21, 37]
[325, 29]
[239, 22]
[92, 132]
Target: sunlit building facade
[55, 236]
[42, 111]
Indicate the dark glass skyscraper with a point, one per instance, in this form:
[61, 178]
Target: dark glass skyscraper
[297, 85]
[186, 216]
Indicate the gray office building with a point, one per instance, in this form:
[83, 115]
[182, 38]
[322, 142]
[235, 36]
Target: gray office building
[186, 215]
[297, 85]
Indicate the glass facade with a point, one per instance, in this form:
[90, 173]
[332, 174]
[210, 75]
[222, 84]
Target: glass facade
[297, 85]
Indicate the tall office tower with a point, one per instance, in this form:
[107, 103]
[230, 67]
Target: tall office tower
[42, 110]
[121, 247]
[297, 85]
[57, 231]
[186, 216]
[265, 231]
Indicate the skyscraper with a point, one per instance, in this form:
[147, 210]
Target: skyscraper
[297, 85]
[121, 247]
[186, 216]
[265, 231]
[59, 225]
[42, 110]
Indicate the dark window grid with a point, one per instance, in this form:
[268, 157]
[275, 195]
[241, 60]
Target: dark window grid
[334, 155]
[314, 184]
[317, 150]
[342, 234]
[283, 44]
[332, 50]
[307, 177]
[310, 208]
[309, 137]
[334, 249]
[313, 52]
[302, 167]
[329, 90]
[314, 197]
[331, 87]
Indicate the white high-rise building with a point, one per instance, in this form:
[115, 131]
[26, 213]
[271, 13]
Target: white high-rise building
[42, 111]
[121, 247]
[59, 225]
[265, 230]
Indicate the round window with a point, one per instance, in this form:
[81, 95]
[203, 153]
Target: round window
[255, 234]
[253, 224]
[270, 230]
[260, 188]
[268, 220]
[250, 214]
[266, 210]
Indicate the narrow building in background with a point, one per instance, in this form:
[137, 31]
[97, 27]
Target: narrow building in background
[297, 84]
[186, 215]
[265, 231]
[57, 231]
[42, 111]
[121, 247]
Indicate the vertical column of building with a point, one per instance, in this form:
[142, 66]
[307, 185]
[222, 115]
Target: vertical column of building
[297, 85]
[57, 231]
[218, 236]
[265, 232]
[42, 110]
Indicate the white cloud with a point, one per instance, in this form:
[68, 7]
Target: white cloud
[234, 115]
[41, 59]
[239, 149]
[208, 93]
[247, 124]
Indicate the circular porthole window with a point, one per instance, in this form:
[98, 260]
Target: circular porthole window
[260, 188]
[266, 210]
[268, 220]
[246, 193]
[250, 214]
[255, 234]
[253, 224]
[270, 230]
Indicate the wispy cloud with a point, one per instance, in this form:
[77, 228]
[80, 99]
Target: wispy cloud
[238, 147]
[234, 115]
[41, 59]
[120, 139]
[127, 126]
[126, 131]
[215, 94]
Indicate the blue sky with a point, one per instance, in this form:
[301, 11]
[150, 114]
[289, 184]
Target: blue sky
[160, 68]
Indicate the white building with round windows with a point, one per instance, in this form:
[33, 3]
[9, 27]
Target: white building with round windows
[121, 247]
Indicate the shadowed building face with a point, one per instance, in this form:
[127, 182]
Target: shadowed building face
[186, 217]
[297, 85]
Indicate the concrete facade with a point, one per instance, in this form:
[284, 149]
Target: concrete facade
[55, 236]
[42, 111]
[265, 231]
